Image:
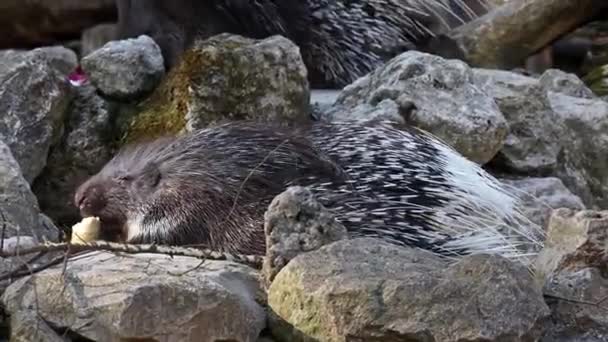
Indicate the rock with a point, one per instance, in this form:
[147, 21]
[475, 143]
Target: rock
[34, 95]
[21, 329]
[105, 297]
[552, 133]
[584, 168]
[437, 95]
[542, 195]
[125, 70]
[19, 208]
[565, 83]
[296, 223]
[82, 151]
[96, 37]
[368, 290]
[534, 140]
[44, 22]
[321, 100]
[385, 110]
[227, 77]
[572, 268]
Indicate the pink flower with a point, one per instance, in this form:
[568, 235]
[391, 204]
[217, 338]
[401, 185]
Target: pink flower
[78, 77]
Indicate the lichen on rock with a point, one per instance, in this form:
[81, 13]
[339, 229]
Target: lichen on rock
[226, 77]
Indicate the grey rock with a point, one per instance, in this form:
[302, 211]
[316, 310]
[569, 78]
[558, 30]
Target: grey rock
[34, 95]
[437, 95]
[296, 223]
[572, 269]
[368, 290]
[541, 195]
[583, 168]
[18, 205]
[565, 83]
[385, 110]
[97, 36]
[551, 132]
[82, 151]
[125, 70]
[270, 75]
[27, 327]
[105, 297]
[534, 141]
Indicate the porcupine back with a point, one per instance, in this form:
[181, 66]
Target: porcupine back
[352, 38]
[410, 188]
[340, 40]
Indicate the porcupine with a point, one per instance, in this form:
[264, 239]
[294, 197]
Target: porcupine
[212, 187]
[340, 40]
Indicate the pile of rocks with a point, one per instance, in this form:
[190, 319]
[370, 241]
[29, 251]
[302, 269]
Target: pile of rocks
[545, 137]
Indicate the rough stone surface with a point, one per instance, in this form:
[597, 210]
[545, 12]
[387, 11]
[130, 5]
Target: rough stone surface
[105, 297]
[96, 37]
[437, 95]
[34, 95]
[585, 140]
[270, 75]
[555, 128]
[534, 140]
[572, 268]
[366, 290]
[568, 84]
[19, 208]
[82, 151]
[227, 77]
[296, 223]
[541, 195]
[126, 69]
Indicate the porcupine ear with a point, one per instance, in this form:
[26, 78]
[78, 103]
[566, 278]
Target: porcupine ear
[149, 178]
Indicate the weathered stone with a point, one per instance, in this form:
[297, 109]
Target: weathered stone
[565, 83]
[34, 95]
[227, 77]
[82, 151]
[385, 110]
[296, 223]
[105, 297]
[583, 168]
[125, 70]
[572, 267]
[96, 37]
[437, 95]
[367, 290]
[552, 132]
[542, 195]
[534, 140]
[20, 214]
[27, 327]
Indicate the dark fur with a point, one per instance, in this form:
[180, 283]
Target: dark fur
[175, 24]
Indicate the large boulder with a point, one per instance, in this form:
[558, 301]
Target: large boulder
[367, 290]
[34, 97]
[432, 93]
[105, 297]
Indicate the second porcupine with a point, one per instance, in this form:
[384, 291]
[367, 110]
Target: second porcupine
[212, 187]
[340, 40]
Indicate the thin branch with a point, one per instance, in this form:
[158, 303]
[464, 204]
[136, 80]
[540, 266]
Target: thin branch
[255, 261]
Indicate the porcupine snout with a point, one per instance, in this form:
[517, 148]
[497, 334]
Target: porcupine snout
[90, 200]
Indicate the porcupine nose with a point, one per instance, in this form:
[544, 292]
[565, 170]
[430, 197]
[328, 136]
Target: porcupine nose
[90, 202]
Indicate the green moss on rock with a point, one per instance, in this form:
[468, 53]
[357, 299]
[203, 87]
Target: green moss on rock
[225, 77]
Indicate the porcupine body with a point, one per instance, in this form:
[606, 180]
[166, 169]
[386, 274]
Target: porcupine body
[213, 186]
[340, 40]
